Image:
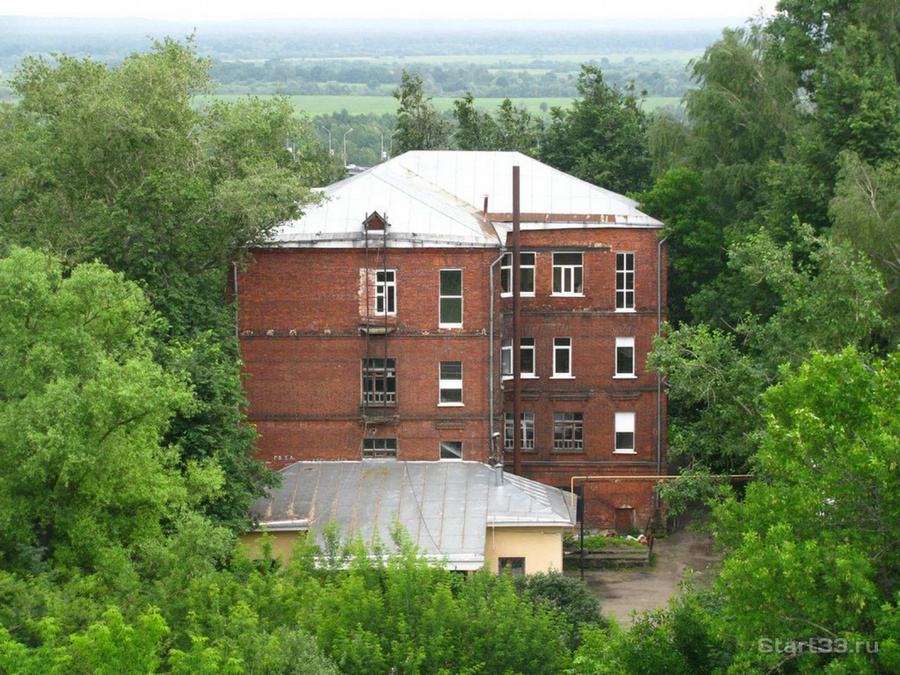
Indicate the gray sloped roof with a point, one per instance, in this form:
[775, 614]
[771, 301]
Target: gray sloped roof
[436, 198]
[445, 507]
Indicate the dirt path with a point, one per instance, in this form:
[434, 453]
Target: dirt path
[625, 591]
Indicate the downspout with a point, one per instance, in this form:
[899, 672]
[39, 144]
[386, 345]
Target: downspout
[493, 440]
[659, 386]
[516, 325]
[235, 300]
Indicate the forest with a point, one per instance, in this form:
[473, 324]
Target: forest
[126, 471]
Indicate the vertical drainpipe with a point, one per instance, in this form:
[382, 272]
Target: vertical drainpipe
[235, 300]
[493, 440]
[517, 319]
[659, 414]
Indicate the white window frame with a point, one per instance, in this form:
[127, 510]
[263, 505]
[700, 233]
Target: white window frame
[386, 292]
[528, 270]
[625, 427]
[562, 344]
[625, 343]
[450, 448]
[450, 384]
[625, 281]
[527, 420]
[446, 296]
[379, 448]
[571, 276]
[576, 425]
[526, 344]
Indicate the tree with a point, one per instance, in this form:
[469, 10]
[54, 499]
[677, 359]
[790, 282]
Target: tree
[696, 245]
[517, 130]
[419, 125]
[476, 130]
[602, 137]
[86, 477]
[117, 164]
[866, 211]
[741, 115]
[825, 296]
[812, 555]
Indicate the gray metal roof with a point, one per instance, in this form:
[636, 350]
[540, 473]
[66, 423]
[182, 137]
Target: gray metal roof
[445, 507]
[436, 198]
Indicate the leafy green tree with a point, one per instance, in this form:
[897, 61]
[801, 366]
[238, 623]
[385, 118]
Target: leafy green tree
[811, 551]
[741, 115]
[117, 164]
[86, 477]
[517, 130]
[866, 211]
[696, 245]
[419, 125]
[826, 297]
[602, 137]
[475, 129]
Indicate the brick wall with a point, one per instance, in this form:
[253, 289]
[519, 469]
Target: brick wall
[301, 313]
[594, 391]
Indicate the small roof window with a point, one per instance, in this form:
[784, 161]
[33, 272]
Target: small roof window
[374, 222]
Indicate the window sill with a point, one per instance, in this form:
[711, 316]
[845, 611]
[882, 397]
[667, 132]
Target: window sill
[625, 377]
[624, 452]
[451, 405]
[626, 310]
[451, 326]
[567, 295]
[521, 295]
[562, 377]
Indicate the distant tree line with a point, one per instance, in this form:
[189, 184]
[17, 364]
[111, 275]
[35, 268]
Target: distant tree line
[655, 77]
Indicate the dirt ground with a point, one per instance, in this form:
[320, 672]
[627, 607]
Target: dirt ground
[622, 592]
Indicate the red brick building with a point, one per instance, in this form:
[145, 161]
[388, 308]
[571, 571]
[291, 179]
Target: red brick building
[377, 327]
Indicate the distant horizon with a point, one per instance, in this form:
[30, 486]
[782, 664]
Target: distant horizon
[350, 25]
[460, 10]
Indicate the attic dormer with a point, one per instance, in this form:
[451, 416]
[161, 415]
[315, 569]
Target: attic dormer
[375, 223]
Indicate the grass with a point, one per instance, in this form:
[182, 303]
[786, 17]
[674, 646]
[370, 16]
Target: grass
[597, 541]
[682, 55]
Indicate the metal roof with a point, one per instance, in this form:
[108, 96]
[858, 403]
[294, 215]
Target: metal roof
[445, 507]
[436, 198]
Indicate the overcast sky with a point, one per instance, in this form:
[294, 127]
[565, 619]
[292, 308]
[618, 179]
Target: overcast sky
[195, 10]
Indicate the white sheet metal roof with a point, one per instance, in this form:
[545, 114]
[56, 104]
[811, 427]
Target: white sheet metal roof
[445, 507]
[436, 198]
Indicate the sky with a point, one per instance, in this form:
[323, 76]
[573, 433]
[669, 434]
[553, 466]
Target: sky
[197, 10]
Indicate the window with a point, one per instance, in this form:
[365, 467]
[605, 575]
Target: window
[625, 357]
[527, 431]
[512, 566]
[379, 382]
[386, 292]
[451, 450]
[526, 269]
[451, 299]
[526, 357]
[451, 383]
[567, 274]
[624, 282]
[625, 432]
[379, 448]
[562, 357]
[568, 432]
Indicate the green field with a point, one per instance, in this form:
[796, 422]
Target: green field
[379, 105]
[683, 55]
